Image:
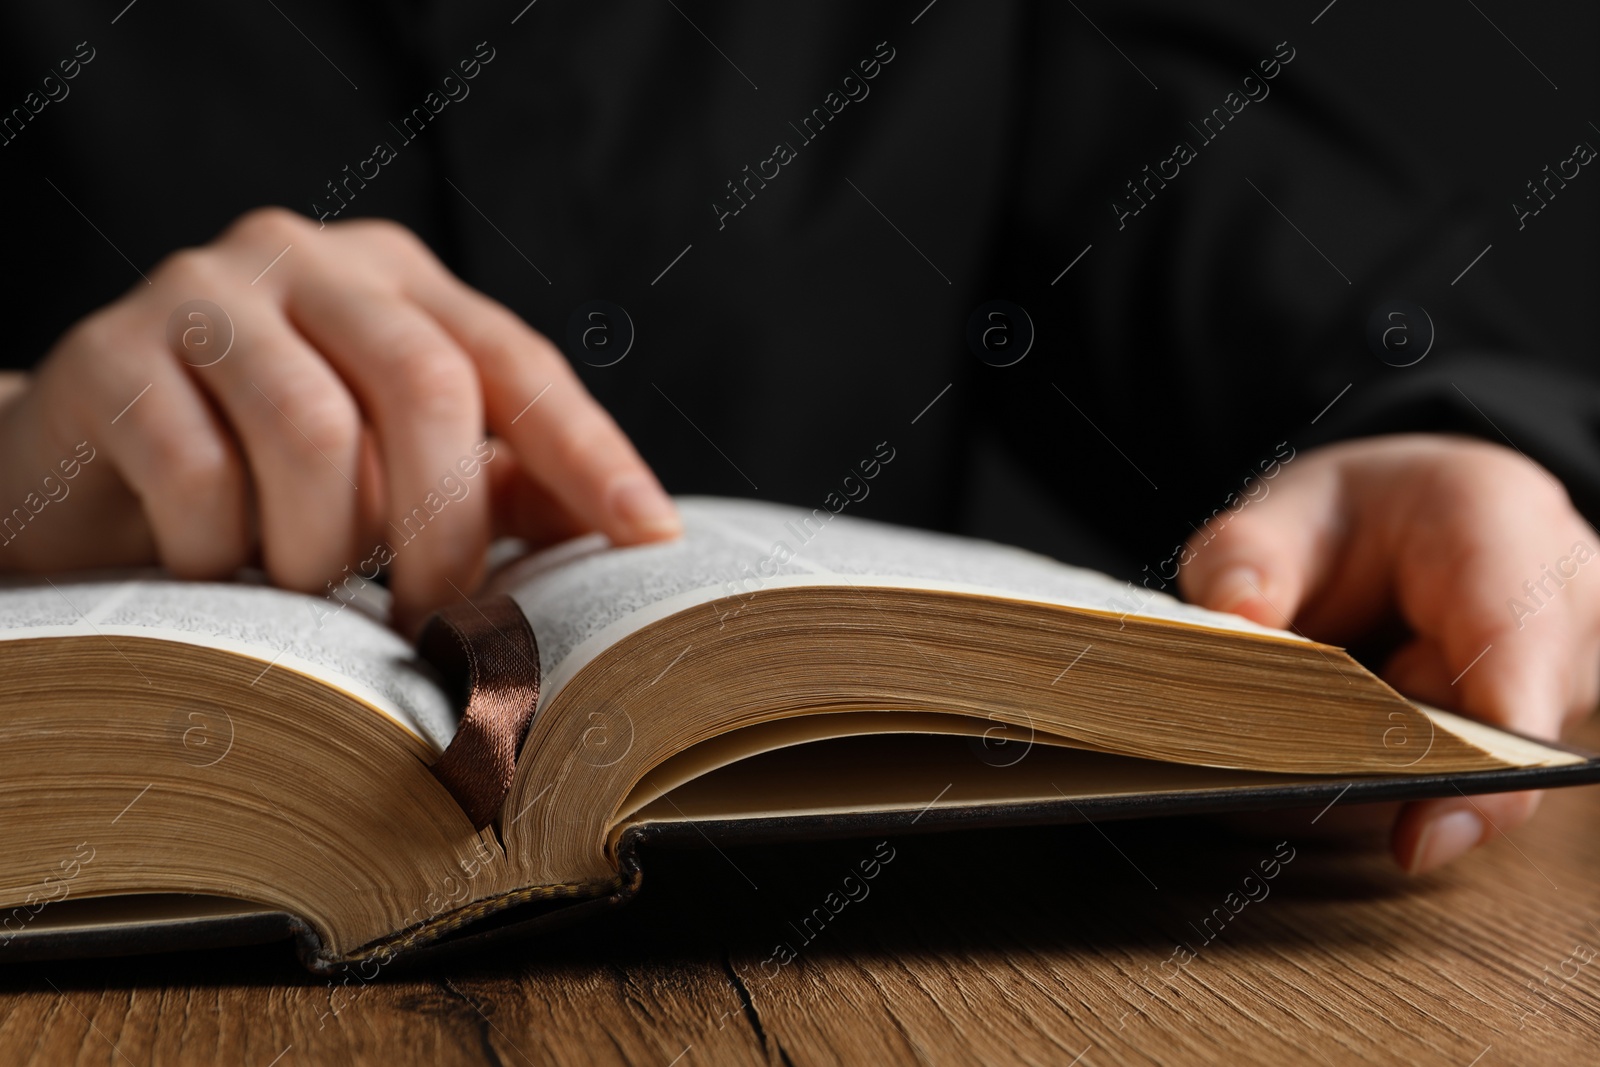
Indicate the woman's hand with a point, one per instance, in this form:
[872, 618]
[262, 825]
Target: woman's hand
[339, 400]
[1475, 548]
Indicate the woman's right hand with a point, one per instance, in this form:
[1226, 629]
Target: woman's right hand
[339, 401]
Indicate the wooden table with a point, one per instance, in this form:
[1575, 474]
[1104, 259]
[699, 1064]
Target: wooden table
[1052, 946]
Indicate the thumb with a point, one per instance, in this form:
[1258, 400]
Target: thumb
[1262, 554]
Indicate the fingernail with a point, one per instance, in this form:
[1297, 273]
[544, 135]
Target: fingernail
[642, 506]
[1233, 587]
[1446, 838]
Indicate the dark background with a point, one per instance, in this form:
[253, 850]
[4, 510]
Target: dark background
[780, 350]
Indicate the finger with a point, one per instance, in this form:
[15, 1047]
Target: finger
[163, 438]
[1586, 685]
[1431, 833]
[559, 433]
[1262, 558]
[107, 527]
[422, 395]
[372, 512]
[1460, 574]
[525, 509]
[1419, 670]
[300, 429]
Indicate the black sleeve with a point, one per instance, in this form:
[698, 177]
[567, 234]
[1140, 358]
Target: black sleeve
[1237, 215]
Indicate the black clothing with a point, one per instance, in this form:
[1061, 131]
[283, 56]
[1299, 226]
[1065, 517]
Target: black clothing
[794, 309]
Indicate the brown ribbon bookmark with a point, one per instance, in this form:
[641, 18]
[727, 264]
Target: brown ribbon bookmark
[489, 659]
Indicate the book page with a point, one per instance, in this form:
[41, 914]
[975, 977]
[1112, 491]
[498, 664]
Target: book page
[923, 771]
[582, 596]
[345, 647]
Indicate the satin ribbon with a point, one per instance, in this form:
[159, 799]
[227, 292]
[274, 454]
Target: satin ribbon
[489, 659]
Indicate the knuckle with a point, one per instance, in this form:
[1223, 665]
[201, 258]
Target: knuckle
[94, 336]
[509, 350]
[225, 551]
[321, 424]
[190, 466]
[492, 337]
[264, 225]
[188, 271]
[389, 235]
[1477, 623]
[433, 382]
[1493, 473]
[93, 360]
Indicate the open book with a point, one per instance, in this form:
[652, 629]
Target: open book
[186, 760]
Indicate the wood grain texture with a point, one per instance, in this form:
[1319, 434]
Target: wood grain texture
[1034, 947]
